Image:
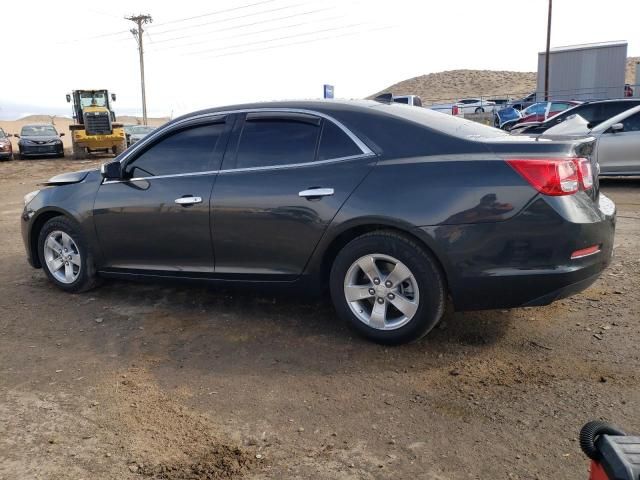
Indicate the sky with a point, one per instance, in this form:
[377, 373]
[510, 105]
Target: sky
[211, 53]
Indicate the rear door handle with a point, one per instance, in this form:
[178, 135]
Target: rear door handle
[316, 192]
[185, 201]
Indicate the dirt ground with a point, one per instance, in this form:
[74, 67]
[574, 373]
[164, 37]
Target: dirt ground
[136, 381]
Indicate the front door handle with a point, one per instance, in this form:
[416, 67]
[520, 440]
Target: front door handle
[316, 192]
[186, 201]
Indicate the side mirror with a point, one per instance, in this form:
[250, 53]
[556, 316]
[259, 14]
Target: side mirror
[617, 127]
[111, 171]
[9, 135]
[68, 98]
[16, 135]
[113, 97]
[62, 134]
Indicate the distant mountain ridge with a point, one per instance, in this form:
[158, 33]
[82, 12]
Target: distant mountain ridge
[454, 84]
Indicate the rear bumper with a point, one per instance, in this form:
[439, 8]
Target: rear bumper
[5, 155]
[526, 261]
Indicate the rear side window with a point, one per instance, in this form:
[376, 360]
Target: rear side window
[268, 142]
[187, 151]
[404, 100]
[334, 143]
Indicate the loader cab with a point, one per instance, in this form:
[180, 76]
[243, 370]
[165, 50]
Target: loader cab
[92, 108]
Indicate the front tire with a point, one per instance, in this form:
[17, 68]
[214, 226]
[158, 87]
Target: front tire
[479, 110]
[387, 287]
[65, 256]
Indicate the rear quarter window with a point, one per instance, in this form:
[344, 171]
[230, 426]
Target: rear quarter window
[334, 143]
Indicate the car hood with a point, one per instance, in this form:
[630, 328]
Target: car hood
[40, 138]
[69, 177]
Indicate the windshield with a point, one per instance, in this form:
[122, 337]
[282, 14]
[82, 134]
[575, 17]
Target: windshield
[93, 99]
[38, 130]
[534, 109]
[2, 134]
[141, 130]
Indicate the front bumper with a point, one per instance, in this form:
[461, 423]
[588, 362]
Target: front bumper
[53, 149]
[526, 261]
[5, 154]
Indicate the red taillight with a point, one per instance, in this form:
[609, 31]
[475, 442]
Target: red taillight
[555, 176]
[455, 110]
[549, 176]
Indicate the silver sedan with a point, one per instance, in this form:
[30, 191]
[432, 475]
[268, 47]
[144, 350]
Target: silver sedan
[618, 141]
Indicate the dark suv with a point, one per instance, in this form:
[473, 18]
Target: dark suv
[593, 112]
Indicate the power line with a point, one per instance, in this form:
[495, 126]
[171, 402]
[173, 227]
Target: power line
[217, 12]
[236, 27]
[296, 35]
[328, 37]
[163, 32]
[246, 34]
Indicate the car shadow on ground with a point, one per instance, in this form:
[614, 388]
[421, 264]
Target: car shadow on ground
[231, 330]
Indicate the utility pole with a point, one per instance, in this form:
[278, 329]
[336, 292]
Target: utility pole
[546, 56]
[141, 20]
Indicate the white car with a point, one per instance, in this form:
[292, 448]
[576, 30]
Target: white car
[475, 105]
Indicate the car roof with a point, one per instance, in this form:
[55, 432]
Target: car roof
[327, 106]
[39, 125]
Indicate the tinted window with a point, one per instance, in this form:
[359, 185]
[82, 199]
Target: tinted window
[611, 109]
[267, 142]
[556, 106]
[186, 151]
[632, 124]
[404, 100]
[334, 143]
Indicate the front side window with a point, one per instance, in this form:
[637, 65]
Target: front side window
[189, 150]
[271, 141]
[632, 124]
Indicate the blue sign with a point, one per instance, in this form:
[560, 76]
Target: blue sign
[328, 91]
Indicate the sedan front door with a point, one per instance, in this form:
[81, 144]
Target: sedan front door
[619, 152]
[157, 218]
[286, 179]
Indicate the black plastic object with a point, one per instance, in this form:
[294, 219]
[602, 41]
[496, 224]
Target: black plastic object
[617, 453]
[620, 456]
[590, 433]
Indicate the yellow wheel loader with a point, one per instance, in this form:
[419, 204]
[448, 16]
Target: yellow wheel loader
[95, 129]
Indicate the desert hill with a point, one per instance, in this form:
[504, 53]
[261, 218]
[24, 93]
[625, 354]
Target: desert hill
[453, 84]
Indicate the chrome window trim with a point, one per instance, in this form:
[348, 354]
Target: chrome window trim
[366, 151]
[243, 170]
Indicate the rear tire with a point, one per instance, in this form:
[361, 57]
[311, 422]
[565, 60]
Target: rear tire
[479, 110]
[65, 256]
[378, 304]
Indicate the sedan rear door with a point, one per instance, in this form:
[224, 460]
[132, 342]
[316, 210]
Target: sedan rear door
[284, 177]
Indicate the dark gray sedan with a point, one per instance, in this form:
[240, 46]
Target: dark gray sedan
[384, 208]
[40, 140]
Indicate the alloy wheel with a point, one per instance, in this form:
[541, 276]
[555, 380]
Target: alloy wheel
[381, 291]
[62, 256]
